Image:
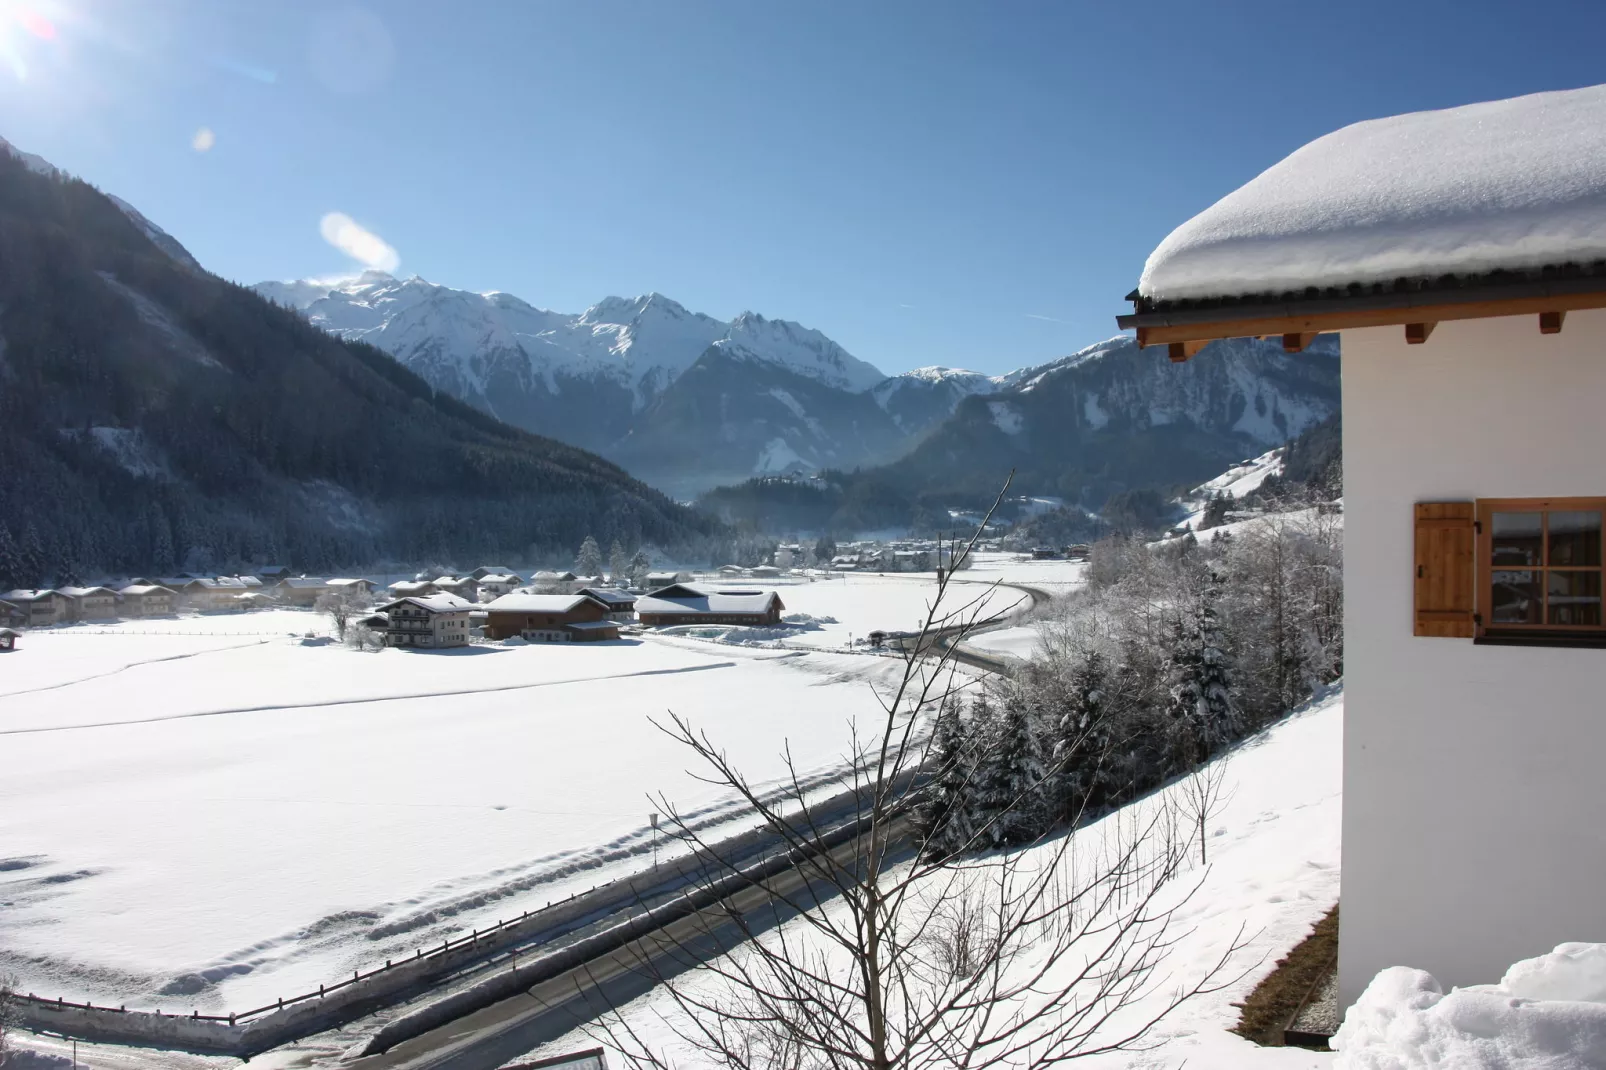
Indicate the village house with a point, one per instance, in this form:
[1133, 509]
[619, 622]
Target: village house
[466, 588]
[12, 616]
[273, 574]
[496, 584]
[146, 600]
[621, 604]
[8, 638]
[683, 604]
[500, 571]
[549, 618]
[409, 588]
[552, 582]
[431, 620]
[1461, 256]
[43, 606]
[665, 579]
[89, 603]
[355, 588]
[301, 590]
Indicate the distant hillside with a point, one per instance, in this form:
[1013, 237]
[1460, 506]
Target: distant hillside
[1111, 427]
[683, 400]
[154, 416]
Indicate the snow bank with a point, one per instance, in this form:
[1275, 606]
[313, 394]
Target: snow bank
[1547, 1013]
[1515, 184]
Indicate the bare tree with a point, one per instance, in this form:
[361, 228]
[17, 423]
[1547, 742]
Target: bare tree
[1199, 797]
[8, 1014]
[872, 955]
[340, 607]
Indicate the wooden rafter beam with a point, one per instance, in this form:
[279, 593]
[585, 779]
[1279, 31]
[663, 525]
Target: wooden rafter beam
[1338, 319]
[1417, 333]
[1184, 351]
[1550, 322]
[1296, 341]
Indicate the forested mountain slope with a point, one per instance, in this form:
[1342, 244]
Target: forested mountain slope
[153, 416]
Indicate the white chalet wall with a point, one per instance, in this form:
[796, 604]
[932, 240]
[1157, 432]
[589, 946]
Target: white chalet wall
[1474, 795]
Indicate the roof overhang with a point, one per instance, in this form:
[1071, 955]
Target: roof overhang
[1186, 326]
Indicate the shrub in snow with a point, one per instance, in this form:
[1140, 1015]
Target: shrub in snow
[1548, 1013]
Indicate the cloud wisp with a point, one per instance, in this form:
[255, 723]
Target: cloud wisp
[1045, 319]
[358, 242]
[203, 140]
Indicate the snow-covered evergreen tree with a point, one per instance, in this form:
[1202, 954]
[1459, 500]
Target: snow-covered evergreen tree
[10, 561]
[618, 563]
[588, 562]
[944, 819]
[1202, 711]
[1082, 743]
[640, 566]
[1009, 783]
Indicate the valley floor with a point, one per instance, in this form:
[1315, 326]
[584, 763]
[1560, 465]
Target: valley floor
[214, 811]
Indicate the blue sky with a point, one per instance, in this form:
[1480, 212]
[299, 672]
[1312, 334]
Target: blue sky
[928, 183]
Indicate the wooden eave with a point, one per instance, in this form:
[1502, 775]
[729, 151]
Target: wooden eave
[1195, 322]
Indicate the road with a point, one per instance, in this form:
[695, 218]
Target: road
[491, 1036]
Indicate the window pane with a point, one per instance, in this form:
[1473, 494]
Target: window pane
[1574, 598]
[1575, 538]
[1516, 598]
[1515, 538]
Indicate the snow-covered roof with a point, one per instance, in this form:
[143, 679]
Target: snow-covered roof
[81, 592]
[303, 582]
[1514, 184]
[519, 602]
[348, 581]
[436, 603]
[408, 586]
[30, 595]
[544, 577]
[683, 599]
[500, 577]
[139, 589]
[610, 596]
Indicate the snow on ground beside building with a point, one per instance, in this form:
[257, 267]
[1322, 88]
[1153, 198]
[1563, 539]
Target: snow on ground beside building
[1547, 1013]
[1273, 872]
[260, 848]
[1515, 184]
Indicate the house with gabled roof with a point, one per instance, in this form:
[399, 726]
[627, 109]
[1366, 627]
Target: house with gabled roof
[1461, 257]
[431, 621]
[301, 590]
[146, 600]
[681, 603]
[547, 618]
[43, 605]
[621, 604]
[89, 603]
[12, 615]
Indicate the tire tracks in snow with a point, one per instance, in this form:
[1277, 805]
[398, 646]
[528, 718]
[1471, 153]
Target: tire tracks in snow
[131, 665]
[365, 700]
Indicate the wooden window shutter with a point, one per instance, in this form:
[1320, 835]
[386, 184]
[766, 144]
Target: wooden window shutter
[1444, 569]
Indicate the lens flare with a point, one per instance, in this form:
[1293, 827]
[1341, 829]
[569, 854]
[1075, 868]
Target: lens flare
[35, 23]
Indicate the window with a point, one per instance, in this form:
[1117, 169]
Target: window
[1539, 565]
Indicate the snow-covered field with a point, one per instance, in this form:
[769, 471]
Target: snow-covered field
[1020, 641]
[1273, 872]
[187, 798]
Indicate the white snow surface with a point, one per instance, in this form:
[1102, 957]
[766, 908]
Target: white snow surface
[1239, 480]
[1273, 872]
[1507, 184]
[1020, 641]
[237, 812]
[1547, 1013]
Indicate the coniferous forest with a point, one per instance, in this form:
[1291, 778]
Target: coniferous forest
[154, 418]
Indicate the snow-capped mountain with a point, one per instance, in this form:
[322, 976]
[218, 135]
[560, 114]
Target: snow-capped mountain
[1112, 417]
[615, 377]
[159, 237]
